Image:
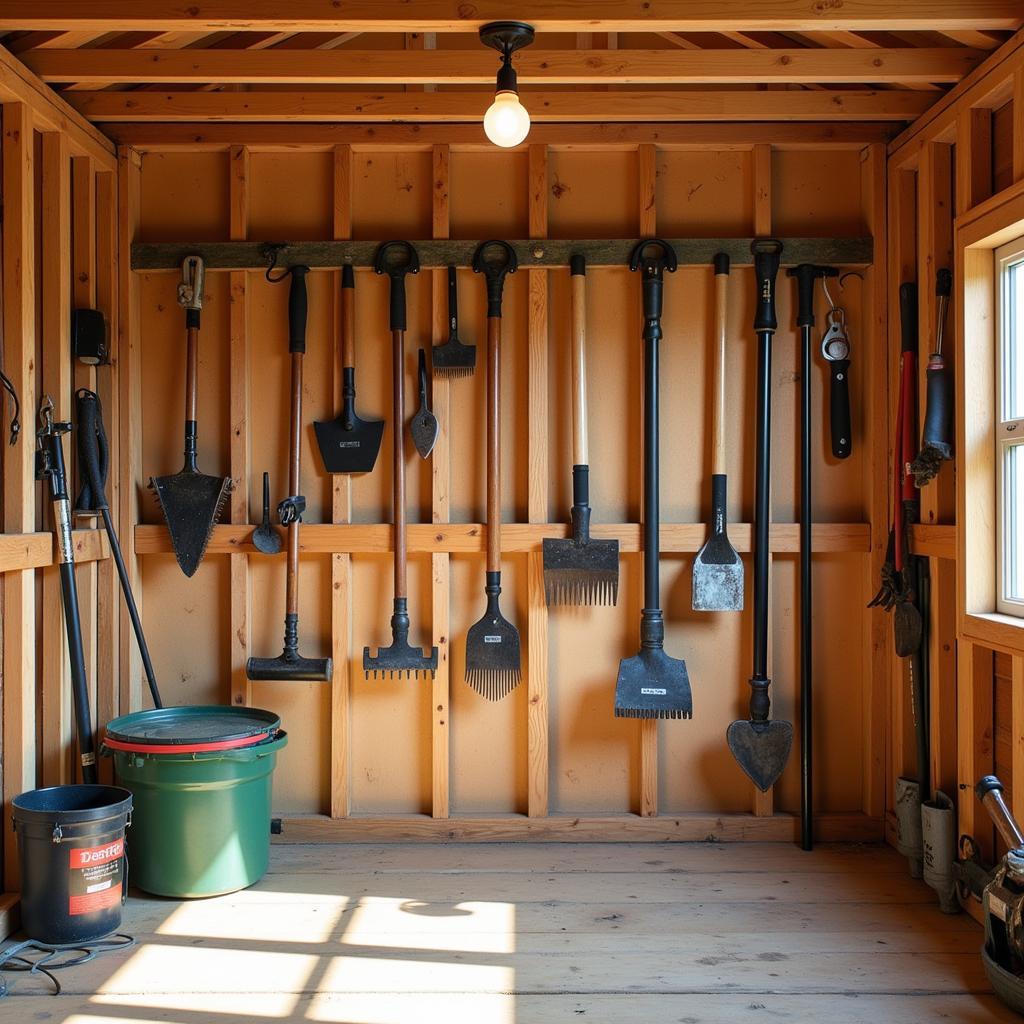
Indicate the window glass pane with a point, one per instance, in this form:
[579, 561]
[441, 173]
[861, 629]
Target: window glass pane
[1013, 522]
[1013, 342]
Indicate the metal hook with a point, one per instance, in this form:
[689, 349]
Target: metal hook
[270, 251]
[824, 287]
[849, 273]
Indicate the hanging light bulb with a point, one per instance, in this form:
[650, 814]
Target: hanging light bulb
[507, 121]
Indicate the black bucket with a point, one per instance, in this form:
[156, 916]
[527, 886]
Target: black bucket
[73, 868]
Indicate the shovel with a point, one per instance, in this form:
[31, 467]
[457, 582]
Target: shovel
[424, 424]
[580, 570]
[349, 444]
[400, 658]
[290, 665]
[191, 501]
[718, 569]
[493, 665]
[761, 746]
[652, 684]
[265, 538]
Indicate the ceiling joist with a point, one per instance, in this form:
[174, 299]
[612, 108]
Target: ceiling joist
[695, 105]
[456, 67]
[544, 15]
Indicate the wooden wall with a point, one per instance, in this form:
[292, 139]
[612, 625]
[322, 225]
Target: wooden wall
[391, 756]
[962, 166]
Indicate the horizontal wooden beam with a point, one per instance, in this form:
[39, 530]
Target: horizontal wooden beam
[690, 105]
[544, 15]
[935, 541]
[457, 67]
[599, 252]
[151, 137]
[516, 538]
[36, 550]
[612, 828]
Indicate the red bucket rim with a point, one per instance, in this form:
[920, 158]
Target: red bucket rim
[186, 748]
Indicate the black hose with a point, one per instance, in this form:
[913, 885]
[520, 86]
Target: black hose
[94, 459]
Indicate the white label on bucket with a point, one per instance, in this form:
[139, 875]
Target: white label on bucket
[100, 887]
[653, 691]
[95, 877]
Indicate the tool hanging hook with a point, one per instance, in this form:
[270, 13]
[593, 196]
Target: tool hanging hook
[849, 273]
[832, 307]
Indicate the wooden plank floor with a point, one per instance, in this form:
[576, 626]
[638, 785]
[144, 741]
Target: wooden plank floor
[538, 934]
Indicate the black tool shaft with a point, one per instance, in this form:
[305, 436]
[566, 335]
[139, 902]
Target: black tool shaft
[806, 635]
[652, 517]
[453, 304]
[297, 308]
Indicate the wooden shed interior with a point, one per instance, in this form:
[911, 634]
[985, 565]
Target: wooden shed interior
[887, 140]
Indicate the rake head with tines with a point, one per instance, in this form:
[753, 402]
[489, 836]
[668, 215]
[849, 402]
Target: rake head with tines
[493, 659]
[578, 569]
[452, 358]
[652, 684]
[399, 659]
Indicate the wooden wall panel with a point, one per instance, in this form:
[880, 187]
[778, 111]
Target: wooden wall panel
[185, 197]
[593, 756]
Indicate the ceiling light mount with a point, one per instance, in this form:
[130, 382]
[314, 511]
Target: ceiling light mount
[506, 122]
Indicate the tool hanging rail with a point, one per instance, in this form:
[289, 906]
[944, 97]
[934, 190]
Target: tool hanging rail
[538, 253]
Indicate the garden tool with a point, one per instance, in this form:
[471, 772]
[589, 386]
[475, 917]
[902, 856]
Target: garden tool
[424, 426]
[835, 350]
[453, 358]
[290, 666]
[396, 259]
[580, 570]
[718, 568]
[50, 467]
[349, 444]
[806, 274]
[191, 501]
[93, 466]
[936, 437]
[493, 665]
[265, 538]
[652, 684]
[761, 745]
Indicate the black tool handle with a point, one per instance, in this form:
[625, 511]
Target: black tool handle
[767, 257]
[396, 267]
[806, 274]
[943, 283]
[938, 408]
[297, 308]
[495, 259]
[453, 303]
[839, 408]
[652, 257]
[422, 371]
[908, 317]
[93, 452]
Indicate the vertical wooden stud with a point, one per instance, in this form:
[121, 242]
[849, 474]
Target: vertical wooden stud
[55, 710]
[1017, 735]
[440, 563]
[1018, 125]
[19, 293]
[129, 386]
[973, 157]
[537, 620]
[975, 739]
[239, 358]
[108, 590]
[764, 803]
[647, 175]
[876, 420]
[341, 512]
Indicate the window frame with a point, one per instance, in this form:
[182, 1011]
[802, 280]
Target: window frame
[1009, 432]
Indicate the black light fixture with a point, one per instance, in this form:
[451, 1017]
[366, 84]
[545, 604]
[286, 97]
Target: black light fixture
[506, 122]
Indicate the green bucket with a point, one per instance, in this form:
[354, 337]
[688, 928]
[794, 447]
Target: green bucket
[201, 819]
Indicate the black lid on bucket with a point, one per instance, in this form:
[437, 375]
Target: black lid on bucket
[193, 728]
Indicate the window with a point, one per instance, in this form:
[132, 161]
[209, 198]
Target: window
[1010, 426]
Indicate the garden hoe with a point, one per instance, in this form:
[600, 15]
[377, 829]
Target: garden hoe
[718, 569]
[349, 444]
[396, 259]
[493, 666]
[652, 684]
[579, 570]
[453, 358]
[191, 501]
[761, 746]
[290, 666]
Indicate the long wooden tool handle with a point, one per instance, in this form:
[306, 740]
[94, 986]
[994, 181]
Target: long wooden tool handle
[493, 444]
[718, 383]
[398, 466]
[348, 317]
[191, 373]
[580, 441]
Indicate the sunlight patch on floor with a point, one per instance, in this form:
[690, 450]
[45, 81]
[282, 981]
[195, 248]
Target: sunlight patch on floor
[304, 923]
[475, 927]
[386, 1008]
[390, 974]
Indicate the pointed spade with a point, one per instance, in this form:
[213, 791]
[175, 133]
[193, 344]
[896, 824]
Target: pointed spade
[424, 426]
[761, 749]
